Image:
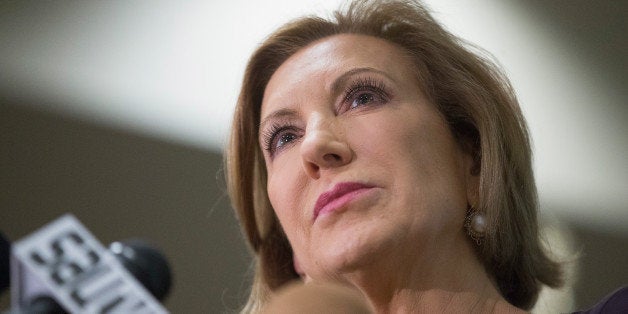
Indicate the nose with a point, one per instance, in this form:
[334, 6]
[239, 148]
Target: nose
[322, 148]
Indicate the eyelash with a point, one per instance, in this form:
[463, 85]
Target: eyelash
[355, 89]
[271, 134]
[367, 85]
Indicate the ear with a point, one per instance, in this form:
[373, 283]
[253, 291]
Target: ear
[472, 164]
[472, 177]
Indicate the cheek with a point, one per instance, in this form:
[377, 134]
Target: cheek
[394, 140]
[286, 193]
[279, 196]
[420, 153]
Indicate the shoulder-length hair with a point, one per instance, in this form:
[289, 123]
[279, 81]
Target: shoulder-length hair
[477, 102]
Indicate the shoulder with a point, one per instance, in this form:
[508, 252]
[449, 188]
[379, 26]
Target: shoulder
[616, 302]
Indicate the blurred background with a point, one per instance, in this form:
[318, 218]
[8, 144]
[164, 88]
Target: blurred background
[118, 111]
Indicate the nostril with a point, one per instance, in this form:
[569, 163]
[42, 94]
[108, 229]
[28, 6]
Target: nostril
[332, 158]
[313, 167]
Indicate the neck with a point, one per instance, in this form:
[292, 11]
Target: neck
[444, 301]
[451, 280]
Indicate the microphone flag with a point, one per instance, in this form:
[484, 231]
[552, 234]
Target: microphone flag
[65, 262]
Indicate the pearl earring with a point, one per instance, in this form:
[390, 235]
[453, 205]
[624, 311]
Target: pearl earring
[475, 224]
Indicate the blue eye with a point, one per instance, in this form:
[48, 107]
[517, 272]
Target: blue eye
[284, 139]
[362, 99]
[278, 136]
[366, 92]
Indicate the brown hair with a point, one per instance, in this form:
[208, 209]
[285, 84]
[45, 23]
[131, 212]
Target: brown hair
[470, 92]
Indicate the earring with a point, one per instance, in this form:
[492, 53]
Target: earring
[475, 224]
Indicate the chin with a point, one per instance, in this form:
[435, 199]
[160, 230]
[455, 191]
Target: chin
[350, 253]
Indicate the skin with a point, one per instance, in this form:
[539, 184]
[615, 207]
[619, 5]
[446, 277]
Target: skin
[400, 242]
[330, 298]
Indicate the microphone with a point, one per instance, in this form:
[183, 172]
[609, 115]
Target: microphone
[146, 263]
[5, 248]
[62, 268]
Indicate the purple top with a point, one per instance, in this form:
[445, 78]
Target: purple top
[616, 302]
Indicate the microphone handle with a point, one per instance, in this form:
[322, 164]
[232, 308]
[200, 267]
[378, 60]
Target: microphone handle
[39, 305]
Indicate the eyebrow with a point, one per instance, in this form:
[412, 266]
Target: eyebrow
[335, 89]
[279, 114]
[341, 80]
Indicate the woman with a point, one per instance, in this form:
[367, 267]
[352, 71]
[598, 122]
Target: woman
[374, 150]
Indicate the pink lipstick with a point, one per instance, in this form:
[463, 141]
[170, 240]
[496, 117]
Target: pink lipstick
[338, 196]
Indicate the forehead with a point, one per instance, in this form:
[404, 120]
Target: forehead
[318, 64]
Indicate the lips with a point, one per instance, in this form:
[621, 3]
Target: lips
[339, 195]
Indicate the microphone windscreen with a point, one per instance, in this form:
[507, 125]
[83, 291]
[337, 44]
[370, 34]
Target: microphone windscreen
[146, 263]
[5, 257]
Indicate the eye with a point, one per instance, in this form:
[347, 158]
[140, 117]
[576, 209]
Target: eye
[283, 139]
[366, 92]
[278, 137]
[363, 99]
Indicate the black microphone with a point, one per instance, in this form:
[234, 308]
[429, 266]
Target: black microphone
[146, 263]
[5, 249]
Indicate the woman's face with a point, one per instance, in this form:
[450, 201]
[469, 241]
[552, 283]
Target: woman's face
[361, 167]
